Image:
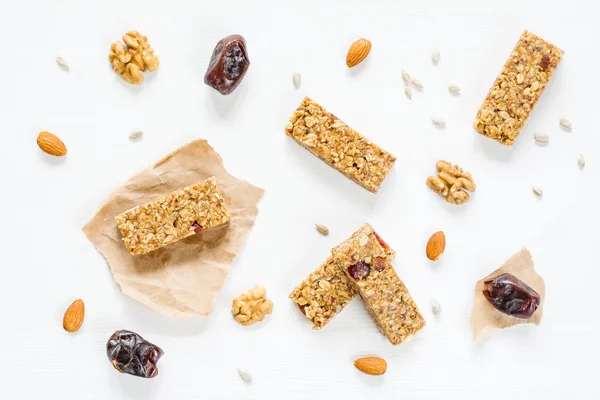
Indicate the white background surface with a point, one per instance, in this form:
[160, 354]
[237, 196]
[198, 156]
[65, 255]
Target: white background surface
[47, 261]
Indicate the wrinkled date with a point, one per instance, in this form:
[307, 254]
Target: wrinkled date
[511, 296]
[228, 64]
[131, 354]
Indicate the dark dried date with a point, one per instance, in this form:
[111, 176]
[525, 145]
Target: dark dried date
[228, 64]
[130, 353]
[510, 295]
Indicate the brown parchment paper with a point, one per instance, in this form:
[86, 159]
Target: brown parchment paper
[182, 279]
[485, 317]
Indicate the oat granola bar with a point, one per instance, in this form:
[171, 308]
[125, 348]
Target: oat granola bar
[340, 146]
[517, 89]
[363, 260]
[176, 216]
[325, 292]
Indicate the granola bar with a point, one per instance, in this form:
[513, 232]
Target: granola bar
[176, 216]
[515, 92]
[325, 292]
[363, 259]
[340, 146]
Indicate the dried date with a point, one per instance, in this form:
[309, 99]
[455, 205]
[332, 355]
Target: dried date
[228, 64]
[510, 295]
[131, 354]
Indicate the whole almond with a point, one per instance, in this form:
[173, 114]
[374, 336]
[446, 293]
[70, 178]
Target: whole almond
[371, 365]
[358, 52]
[74, 316]
[51, 144]
[436, 245]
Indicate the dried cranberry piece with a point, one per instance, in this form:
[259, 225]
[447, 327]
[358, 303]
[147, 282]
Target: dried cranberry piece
[359, 270]
[510, 295]
[381, 242]
[379, 264]
[545, 63]
[131, 354]
[197, 227]
[228, 64]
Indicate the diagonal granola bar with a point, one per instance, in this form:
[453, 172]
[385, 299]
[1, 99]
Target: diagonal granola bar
[340, 146]
[363, 259]
[326, 291]
[176, 216]
[517, 89]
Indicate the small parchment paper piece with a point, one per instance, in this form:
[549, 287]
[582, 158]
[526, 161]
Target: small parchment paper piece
[485, 317]
[184, 278]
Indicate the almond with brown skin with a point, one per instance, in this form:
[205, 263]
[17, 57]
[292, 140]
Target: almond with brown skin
[74, 316]
[51, 144]
[358, 52]
[371, 365]
[436, 245]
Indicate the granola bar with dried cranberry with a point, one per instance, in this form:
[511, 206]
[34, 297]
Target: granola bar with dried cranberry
[364, 261]
[340, 146]
[517, 89]
[178, 215]
[325, 292]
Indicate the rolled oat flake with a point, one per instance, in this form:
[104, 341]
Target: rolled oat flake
[537, 191]
[297, 78]
[408, 92]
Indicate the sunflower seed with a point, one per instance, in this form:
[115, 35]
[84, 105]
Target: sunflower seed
[416, 83]
[566, 124]
[436, 308]
[537, 191]
[323, 230]
[438, 122]
[435, 56]
[297, 78]
[541, 138]
[62, 62]
[406, 77]
[408, 92]
[454, 89]
[245, 375]
[135, 136]
[581, 161]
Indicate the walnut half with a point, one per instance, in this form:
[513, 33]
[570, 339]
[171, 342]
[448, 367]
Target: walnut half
[135, 57]
[252, 306]
[451, 183]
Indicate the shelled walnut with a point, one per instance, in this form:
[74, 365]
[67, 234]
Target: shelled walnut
[252, 306]
[451, 183]
[135, 57]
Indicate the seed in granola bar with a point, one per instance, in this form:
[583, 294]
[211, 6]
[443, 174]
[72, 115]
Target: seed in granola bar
[228, 64]
[545, 63]
[378, 264]
[360, 270]
[197, 227]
